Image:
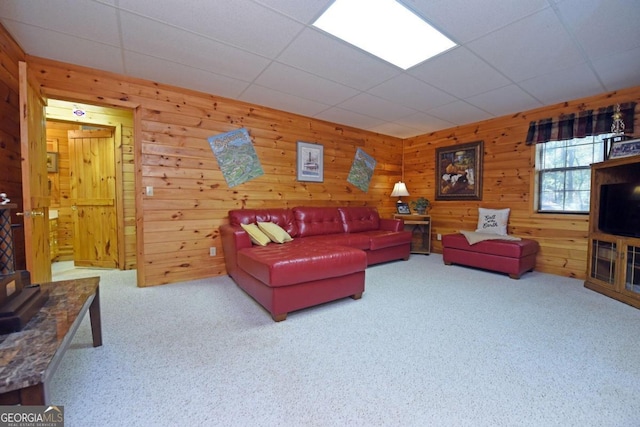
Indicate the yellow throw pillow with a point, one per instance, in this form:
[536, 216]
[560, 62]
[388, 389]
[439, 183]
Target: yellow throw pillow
[257, 236]
[274, 232]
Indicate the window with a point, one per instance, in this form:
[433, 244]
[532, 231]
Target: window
[564, 173]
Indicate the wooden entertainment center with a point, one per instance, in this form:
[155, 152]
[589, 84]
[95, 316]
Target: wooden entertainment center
[613, 266]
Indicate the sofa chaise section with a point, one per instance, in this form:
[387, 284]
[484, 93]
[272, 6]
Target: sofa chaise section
[326, 260]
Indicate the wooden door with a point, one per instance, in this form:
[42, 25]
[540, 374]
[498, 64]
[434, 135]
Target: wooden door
[35, 185]
[93, 198]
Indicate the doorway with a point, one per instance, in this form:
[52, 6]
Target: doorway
[92, 226]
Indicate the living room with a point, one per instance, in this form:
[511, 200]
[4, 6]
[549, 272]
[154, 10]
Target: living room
[174, 229]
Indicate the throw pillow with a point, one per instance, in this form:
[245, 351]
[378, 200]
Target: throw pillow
[274, 232]
[257, 236]
[493, 221]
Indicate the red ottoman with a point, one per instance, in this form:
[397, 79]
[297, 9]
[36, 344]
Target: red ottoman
[512, 257]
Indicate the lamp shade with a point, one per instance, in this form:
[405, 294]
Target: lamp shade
[399, 189]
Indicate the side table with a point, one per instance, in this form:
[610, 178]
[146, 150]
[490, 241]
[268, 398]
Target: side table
[420, 228]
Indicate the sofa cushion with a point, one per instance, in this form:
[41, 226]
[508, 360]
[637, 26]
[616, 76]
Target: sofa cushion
[357, 219]
[274, 232]
[505, 248]
[282, 217]
[312, 221]
[294, 263]
[493, 221]
[385, 239]
[357, 240]
[256, 236]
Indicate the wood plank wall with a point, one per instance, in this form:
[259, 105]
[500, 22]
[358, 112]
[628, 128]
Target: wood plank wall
[60, 120]
[509, 182]
[10, 175]
[179, 223]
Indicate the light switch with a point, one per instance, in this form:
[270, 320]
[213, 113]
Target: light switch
[149, 191]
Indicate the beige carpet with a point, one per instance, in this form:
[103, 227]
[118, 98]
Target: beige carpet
[427, 345]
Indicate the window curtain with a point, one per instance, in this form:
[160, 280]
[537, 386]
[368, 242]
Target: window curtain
[588, 122]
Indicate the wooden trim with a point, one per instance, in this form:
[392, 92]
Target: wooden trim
[137, 162]
[119, 196]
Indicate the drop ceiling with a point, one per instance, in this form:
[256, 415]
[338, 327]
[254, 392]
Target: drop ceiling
[513, 55]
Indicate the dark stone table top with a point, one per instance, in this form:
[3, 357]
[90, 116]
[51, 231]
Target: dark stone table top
[26, 355]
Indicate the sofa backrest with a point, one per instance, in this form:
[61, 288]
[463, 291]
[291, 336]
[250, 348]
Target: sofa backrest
[282, 216]
[359, 218]
[312, 221]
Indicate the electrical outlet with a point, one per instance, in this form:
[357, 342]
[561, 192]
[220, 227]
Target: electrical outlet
[149, 190]
[439, 236]
[212, 251]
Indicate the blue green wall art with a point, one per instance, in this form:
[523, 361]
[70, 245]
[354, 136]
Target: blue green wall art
[236, 156]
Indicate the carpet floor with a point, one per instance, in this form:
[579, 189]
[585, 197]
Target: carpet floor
[427, 345]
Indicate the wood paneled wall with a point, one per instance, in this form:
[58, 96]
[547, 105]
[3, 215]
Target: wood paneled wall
[60, 119]
[179, 223]
[10, 169]
[509, 182]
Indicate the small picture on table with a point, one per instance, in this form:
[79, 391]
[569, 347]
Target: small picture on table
[403, 209]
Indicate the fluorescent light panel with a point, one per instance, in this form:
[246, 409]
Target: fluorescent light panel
[384, 28]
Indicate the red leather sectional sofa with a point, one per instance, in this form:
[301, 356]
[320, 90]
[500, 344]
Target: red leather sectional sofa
[326, 260]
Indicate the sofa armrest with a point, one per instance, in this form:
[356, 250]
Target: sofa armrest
[391, 224]
[234, 238]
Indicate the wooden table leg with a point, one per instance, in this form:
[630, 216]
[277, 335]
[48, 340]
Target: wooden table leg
[34, 395]
[96, 322]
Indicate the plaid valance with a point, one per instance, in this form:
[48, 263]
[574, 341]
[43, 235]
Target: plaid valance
[588, 122]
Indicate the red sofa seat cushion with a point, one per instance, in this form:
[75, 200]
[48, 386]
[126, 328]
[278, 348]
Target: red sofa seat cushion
[359, 219]
[385, 239]
[358, 240]
[294, 263]
[505, 248]
[312, 221]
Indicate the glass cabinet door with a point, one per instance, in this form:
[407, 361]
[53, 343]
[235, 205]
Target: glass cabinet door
[604, 256]
[632, 279]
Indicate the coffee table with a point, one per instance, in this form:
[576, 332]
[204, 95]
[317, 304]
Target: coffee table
[30, 357]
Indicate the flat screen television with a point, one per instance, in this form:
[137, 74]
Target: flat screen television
[620, 209]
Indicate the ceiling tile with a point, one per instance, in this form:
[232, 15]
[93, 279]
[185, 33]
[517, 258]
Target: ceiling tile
[62, 47]
[411, 92]
[466, 20]
[425, 122]
[536, 45]
[563, 85]
[376, 107]
[324, 55]
[67, 17]
[304, 11]
[508, 99]
[299, 83]
[271, 98]
[460, 112]
[460, 73]
[183, 47]
[590, 21]
[240, 23]
[180, 75]
[619, 71]
[348, 118]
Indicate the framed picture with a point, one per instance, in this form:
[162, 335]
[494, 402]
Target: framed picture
[403, 209]
[52, 162]
[625, 148]
[310, 162]
[459, 172]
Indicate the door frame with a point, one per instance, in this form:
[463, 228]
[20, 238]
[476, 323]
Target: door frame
[134, 108]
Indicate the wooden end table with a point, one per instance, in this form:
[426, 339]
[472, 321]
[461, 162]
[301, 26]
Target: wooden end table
[420, 228]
